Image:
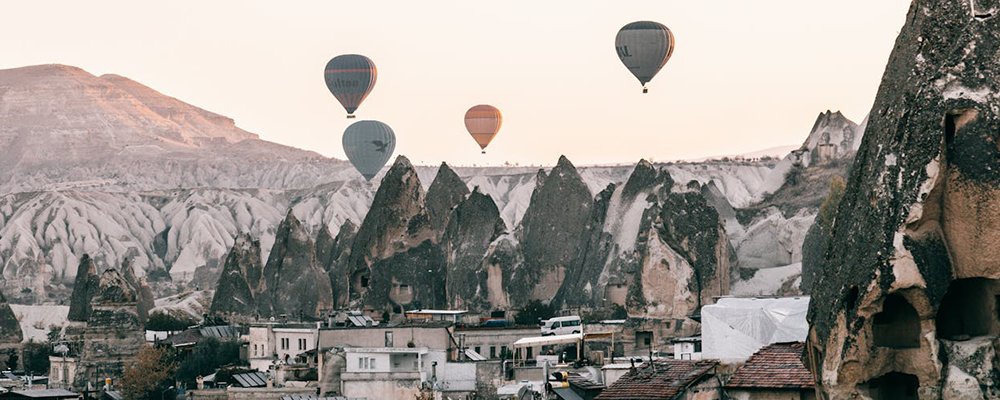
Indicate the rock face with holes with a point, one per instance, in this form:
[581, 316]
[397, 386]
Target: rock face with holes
[906, 301]
[113, 333]
[394, 261]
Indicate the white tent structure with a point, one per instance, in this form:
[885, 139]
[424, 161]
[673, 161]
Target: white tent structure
[733, 329]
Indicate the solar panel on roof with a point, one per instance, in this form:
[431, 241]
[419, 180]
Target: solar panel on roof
[251, 379]
[473, 355]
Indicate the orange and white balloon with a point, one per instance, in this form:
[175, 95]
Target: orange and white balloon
[483, 123]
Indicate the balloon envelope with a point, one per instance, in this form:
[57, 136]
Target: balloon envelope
[483, 122]
[644, 47]
[350, 77]
[368, 145]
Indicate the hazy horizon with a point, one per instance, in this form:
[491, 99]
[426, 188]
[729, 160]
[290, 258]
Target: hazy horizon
[744, 77]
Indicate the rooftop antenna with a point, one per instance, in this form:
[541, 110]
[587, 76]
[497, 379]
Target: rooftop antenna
[651, 363]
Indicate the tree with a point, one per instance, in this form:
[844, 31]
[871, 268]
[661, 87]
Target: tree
[828, 210]
[533, 312]
[160, 321]
[794, 175]
[11, 359]
[36, 358]
[207, 356]
[148, 376]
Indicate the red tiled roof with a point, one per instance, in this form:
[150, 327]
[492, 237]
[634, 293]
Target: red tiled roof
[664, 382]
[777, 366]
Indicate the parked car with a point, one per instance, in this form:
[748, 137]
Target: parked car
[562, 326]
[495, 323]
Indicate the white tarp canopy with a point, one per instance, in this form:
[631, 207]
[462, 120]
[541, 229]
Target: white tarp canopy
[548, 340]
[733, 329]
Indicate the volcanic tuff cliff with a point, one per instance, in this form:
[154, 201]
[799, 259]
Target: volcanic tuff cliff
[85, 288]
[113, 333]
[552, 233]
[240, 279]
[10, 329]
[906, 301]
[657, 248]
[293, 282]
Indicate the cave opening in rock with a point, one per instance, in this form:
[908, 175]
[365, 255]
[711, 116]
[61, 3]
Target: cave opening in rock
[897, 326]
[894, 386]
[851, 299]
[969, 309]
[360, 281]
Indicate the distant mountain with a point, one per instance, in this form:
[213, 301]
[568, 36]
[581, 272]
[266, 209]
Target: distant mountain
[65, 128]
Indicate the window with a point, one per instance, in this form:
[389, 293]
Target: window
[371, 363]
[302, 344]
[965, 310]
[361, 362]
[530, 350]
[479, 350]
[697, 347]
[897, 326]
[365, 361]
[388, 339]
[503, 351]
[894, 385]
[493, 352]
[284, 343]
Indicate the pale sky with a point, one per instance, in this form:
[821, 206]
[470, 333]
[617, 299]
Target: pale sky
[745, 75]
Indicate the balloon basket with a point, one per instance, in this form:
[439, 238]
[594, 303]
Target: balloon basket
[644, 90]
[350, 116]
[484, 151]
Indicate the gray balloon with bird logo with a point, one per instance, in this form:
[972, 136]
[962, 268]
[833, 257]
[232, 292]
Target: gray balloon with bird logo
[368, 145]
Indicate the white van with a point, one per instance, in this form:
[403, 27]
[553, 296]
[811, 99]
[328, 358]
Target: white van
[562, 326]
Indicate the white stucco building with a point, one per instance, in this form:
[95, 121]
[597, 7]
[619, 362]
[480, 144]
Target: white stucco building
[271, 343]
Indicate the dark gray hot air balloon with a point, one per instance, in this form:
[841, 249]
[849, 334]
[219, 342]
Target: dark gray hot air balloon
[350, 77]
[644, 47]
[368, 145]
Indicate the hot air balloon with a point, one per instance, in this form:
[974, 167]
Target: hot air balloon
[350, 77]
[483, 123]
[368, 145]
[644, 47]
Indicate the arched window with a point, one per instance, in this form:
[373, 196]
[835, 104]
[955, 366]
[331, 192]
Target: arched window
[897, 325]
